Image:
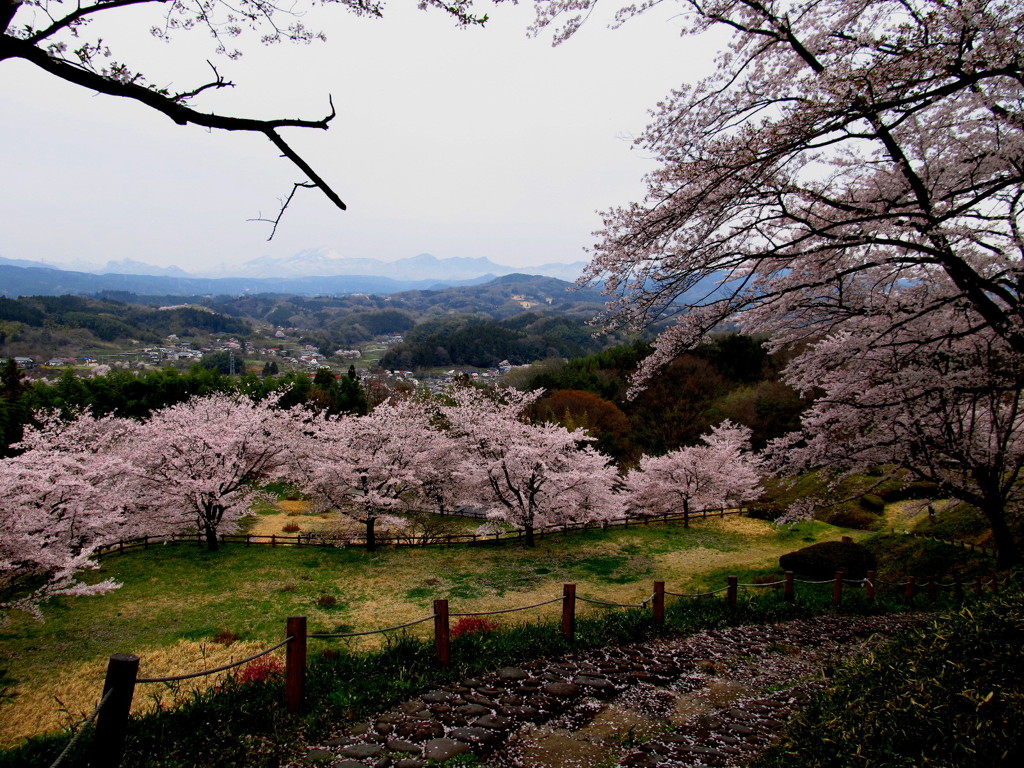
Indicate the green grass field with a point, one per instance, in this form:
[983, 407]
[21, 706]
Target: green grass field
[183, 609]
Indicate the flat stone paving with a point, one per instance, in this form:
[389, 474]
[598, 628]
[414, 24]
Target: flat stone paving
[716, 698]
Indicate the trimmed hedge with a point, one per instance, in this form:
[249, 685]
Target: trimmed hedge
[822, 560]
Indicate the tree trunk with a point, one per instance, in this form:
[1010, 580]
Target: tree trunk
[1007, 552]
[371, 539]
[529, 535]
[212, 544]
[686, 513]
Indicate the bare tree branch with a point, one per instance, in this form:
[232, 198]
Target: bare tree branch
[180, 113]
[284, 206]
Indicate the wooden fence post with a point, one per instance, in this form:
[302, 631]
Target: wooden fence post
[732, 583]
[869, 586]
[569, 612]
[908, 590]
[442, 634]
[837, 588]
[112, 722]
[788, 594]
[994, 584]
[658, 605]
[977, 586]
[295, 663]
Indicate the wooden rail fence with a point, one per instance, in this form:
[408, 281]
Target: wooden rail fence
[410, 540]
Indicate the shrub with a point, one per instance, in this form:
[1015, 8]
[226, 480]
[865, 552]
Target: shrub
[473, 625]
[872, 502]
[918, 489]
[949, 694]
[225, 637]
[899, 556]
[327, 601]
[822, 560]
[850, 517]
[291, 528]
[260, 670]
[765, 511]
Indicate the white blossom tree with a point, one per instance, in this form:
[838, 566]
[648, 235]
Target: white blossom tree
[843, 151]
[369, 467]
[719, 473]
[527, 475]
[197, 464]
[950, 412]
[851, 176]
[63, 498]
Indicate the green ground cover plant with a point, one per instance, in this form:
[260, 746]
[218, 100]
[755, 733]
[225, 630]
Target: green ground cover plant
[184, 593]
[245, 724]
[950, 694]
[173, 595]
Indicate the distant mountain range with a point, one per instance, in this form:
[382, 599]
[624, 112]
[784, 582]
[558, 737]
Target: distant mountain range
[320, 262]
[309, 272]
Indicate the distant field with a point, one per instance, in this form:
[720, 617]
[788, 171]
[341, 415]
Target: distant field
[181, 608]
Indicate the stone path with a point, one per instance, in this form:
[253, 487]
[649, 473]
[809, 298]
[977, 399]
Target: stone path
[716, 698]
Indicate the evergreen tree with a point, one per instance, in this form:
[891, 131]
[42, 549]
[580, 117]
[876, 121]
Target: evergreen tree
[14, 410]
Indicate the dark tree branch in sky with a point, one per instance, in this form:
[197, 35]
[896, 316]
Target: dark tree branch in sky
[54, 36]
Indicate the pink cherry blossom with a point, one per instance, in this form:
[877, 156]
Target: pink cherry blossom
[196, 465]
[719, 473]
[527, 475]
[372, 466]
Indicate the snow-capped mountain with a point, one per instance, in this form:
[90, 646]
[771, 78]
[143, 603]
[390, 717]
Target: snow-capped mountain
[321, 262]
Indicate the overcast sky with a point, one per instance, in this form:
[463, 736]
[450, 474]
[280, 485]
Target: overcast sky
[455, 142]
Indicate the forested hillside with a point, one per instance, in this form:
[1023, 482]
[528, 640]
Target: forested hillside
[52, 325]
[471, 340]
[729, 377]
[77, 319]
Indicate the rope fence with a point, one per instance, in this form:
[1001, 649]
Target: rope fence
[111, 714]
[953, 542]
[612, 605]
[81, 730]
[508, 610]
[695, 594]
[325, 636]
[216, 670]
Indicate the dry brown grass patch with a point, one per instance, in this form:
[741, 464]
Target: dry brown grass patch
[65, 696]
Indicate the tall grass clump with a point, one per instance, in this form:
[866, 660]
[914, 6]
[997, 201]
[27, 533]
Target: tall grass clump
[947, 694]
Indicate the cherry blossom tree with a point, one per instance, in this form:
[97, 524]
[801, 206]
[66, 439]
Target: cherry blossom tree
[947, 411]
[196, 464]
[63, 498]
[371, 466]
[66, 39]
[843, 151]
[721, 472]
[528, 475]
[851, 173]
